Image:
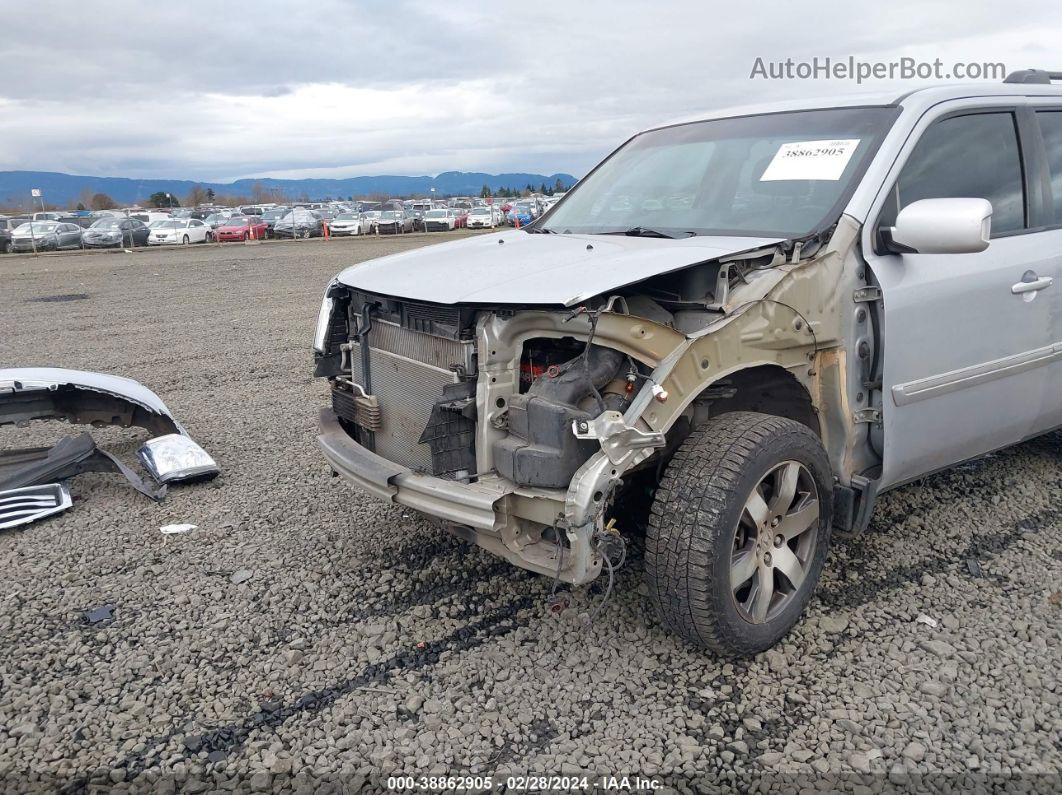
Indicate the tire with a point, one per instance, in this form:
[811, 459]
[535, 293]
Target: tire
[185, 241]
[6, 247]
[209, 237]
[305, 234]
[702, 539]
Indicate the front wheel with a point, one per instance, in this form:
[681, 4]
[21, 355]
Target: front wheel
[305, 234]
[738, 533]
[184, 240]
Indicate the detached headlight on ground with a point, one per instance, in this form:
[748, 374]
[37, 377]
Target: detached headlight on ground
[175, 457]
[323, 318]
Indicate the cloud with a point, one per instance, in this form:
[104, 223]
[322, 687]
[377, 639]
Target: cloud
[206, 91]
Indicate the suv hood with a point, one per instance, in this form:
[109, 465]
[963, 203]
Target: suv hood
[520, 268]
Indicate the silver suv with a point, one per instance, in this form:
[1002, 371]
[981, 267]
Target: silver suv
[757, 321]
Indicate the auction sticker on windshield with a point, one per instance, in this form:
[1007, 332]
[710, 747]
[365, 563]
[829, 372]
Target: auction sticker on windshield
[821, 160]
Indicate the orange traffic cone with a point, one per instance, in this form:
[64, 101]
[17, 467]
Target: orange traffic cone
[324, 227]
[516, 220]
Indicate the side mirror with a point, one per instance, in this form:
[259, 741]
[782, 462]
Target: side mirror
[940, 226]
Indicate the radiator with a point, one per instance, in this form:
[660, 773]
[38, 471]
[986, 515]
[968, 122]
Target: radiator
[409, 370]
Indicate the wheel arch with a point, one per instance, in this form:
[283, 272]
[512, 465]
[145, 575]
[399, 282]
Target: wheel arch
[764, 389]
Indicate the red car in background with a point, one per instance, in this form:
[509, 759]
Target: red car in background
[242, 227]
[462, 219]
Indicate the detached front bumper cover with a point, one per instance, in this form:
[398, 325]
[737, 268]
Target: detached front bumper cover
[98, 399]
[81, 397]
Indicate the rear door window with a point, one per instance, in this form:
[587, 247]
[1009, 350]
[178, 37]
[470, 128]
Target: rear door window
[1051, 129]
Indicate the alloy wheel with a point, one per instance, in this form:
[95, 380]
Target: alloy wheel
[774, 542]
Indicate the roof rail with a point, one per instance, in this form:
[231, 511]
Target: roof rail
[1032, 76]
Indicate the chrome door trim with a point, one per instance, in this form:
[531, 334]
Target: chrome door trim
[945, 383]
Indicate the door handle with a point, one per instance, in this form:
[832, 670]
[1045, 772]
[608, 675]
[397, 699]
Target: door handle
[1031, 286]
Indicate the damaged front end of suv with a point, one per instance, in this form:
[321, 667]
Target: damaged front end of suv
[518, 424]
[517, 385]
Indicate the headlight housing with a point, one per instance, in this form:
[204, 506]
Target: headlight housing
[324, 319]
[175, 457]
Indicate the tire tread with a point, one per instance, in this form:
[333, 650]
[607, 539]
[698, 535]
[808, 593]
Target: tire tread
[688, 525]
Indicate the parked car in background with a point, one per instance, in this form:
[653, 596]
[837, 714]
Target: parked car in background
[346, 224]
[47, 216]
[300, 223]
[115, 233]
[45, 235]
[394, 222]
[461, 217]
[7, 226]
[270, 217]
[150, 216]
[84, 221]
[439, 220]
[179, 231]
[242, 227]
[524, 212]
[214, 220]
[370, 218]
[482, 218]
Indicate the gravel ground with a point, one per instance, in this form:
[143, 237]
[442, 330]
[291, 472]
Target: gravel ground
[365, 643]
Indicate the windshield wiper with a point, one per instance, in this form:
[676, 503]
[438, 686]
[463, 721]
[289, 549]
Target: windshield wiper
[641, 231]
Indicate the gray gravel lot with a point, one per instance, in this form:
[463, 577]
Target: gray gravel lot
[365, 643]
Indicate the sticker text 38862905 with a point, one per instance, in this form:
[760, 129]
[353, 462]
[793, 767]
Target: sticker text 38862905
[819, 160]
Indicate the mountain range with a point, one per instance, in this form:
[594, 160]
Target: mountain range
[66, 189]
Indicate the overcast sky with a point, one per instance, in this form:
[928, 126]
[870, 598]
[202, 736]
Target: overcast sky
[218, 91]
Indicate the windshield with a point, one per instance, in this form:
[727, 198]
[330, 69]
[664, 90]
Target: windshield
[346, 217]
[389, 215]
[106, 223]
[435, 214]
[273, 215]
[38, 228]
[774, 175]
[480, 211]
[168, 224]
[240, 221]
